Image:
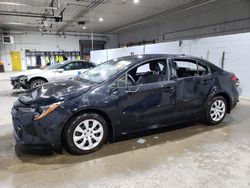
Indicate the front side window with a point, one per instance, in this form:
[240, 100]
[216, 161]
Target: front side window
[149, 72]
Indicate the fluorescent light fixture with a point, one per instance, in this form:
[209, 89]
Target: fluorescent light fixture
[136, 1]
[101, 19]
[84, 27]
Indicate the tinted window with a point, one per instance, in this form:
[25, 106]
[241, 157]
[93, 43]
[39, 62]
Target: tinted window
[70, 66]
[85, 65]
[76, 65]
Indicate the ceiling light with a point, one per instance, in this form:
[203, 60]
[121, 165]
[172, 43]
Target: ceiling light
[100, 19]
[84, 27]
[136, 1]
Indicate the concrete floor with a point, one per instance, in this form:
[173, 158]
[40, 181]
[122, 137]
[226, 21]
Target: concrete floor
[194, 156]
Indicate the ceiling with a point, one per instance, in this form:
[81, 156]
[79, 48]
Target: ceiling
[26, 15]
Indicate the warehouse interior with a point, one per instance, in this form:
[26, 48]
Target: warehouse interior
[37, 34]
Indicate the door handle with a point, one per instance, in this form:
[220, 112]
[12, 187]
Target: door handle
[204, 82]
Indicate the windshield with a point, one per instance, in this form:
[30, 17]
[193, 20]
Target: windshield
[105, 71]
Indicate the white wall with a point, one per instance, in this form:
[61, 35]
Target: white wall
[236, 48]
[36, 41]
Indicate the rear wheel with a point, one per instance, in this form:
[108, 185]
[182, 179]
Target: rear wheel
[216, 110]
[37, 82]
[85, 134]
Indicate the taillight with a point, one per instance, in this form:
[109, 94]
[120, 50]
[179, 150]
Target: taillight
[235, 79]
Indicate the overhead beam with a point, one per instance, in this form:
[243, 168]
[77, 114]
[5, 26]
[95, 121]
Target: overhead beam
[27, 5]
[80, 14]
[25, 14]
[188, 6]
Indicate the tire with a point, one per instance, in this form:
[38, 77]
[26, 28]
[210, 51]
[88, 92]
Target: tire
[79, 132]
[216, 110]
[37, 82]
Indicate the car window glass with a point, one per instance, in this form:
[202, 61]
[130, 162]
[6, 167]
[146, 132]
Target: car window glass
[185, 68]
[203, 70]
[150, 72]
[70, 66]
[83, 65]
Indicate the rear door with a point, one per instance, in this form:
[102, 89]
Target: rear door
[206, 82]
[193, 84]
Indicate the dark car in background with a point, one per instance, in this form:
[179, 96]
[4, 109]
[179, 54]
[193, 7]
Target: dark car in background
[120, 97]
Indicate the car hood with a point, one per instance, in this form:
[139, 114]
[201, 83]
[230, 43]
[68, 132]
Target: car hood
[29, 72]
[54, 92]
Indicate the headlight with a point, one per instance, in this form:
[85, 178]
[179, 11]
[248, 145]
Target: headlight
[45, 110]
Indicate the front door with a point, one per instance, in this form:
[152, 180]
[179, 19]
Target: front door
[148, 99]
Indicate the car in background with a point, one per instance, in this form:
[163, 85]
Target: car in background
[120, 97]
[57, 72]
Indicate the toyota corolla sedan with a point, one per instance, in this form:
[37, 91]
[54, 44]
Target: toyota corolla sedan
[120, 97]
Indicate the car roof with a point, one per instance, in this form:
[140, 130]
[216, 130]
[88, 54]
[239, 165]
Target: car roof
[145, 57]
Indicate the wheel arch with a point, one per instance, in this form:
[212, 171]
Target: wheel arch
[96, 111]
[37, 77]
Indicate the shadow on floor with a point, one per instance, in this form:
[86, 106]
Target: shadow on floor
[157, 137]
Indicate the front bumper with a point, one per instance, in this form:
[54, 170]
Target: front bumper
[19, 82]
[43, 133]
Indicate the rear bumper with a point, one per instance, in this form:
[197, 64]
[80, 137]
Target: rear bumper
[234, 100]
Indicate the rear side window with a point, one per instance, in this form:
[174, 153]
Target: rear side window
[70, 66]
[184, 68]
[85, 65]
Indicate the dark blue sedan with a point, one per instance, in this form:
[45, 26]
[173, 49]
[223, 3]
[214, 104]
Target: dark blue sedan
[120, 97]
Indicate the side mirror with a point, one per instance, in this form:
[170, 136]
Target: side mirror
[113, 87]
[59, 70]
[133, 89]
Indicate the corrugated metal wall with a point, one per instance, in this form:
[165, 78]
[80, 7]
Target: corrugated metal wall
[218, 18]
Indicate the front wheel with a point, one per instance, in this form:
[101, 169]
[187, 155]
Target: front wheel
[216, 110]
[37, 83]
[85, 134]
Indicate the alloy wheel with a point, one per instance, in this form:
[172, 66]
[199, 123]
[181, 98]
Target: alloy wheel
[37, 84]
[88, 134]
[218, 110]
